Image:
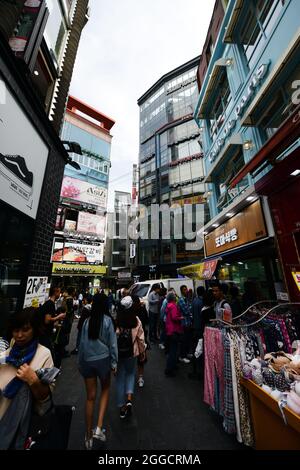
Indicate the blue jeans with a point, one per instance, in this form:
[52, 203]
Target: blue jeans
[125, 379]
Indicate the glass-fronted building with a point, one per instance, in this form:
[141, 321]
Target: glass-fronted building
[170, 161]
[245, 99]
[81, 220]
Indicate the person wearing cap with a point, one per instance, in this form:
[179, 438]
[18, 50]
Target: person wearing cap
[131, 345]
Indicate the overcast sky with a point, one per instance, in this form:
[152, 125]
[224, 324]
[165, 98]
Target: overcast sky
[125, 48]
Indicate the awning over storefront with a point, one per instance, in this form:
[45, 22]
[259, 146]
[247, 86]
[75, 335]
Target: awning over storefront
[201, 271]
[60, 269]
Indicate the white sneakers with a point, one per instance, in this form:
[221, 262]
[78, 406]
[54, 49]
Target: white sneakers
[141, 381]
[99, 434]
[185, 360]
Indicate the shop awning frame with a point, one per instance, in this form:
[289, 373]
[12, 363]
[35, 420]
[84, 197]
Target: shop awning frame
[286, 135]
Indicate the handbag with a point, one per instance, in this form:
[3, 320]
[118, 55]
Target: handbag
[51, 430]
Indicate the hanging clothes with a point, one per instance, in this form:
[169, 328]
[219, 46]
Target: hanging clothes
[214, 366]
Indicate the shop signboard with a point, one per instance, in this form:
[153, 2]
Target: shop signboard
[75, 251]
[190, 200]
[124, 275]
[84, 192]
[61, 269]
[132, 252]
[246, 227]
[23, 158]
[91, 223]
[296, 276]
[36, 291]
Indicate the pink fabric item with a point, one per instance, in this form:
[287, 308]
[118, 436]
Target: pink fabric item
[173, 319]
[214, 364]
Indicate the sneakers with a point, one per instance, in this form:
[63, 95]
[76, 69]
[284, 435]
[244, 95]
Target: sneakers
[185, 360]
[99, 434]
[129, 408]
[14, 168]
[141, 381]
[161, 346]
[88, 443]
[123, 412]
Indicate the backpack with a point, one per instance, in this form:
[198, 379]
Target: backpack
[125, 345]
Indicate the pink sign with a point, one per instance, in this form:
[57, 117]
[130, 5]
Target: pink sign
[91, 223]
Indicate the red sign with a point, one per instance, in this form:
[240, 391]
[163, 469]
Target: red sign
[209, 269]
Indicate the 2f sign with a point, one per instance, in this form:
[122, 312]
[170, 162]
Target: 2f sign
[2, 92]
[33, 285]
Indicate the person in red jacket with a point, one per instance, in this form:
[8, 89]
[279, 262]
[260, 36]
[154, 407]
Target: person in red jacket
[174, 331]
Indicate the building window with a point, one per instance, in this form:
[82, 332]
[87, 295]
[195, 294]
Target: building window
[220, 106]
[260, 19]
[224, 195]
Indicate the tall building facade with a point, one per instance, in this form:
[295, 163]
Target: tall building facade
[33, 44]
[81, 219]
[170, 163]
[247, 114]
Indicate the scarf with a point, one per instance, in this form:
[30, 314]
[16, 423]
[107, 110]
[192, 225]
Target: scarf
[17, 357]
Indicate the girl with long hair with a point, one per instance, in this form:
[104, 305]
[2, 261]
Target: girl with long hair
[98, 356]
[131, 344]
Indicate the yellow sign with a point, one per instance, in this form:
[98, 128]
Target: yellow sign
[194, 271]
[296, 276]
[78, 269]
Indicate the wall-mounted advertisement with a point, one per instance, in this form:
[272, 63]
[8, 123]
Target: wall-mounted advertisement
[84, 192]
[75, 251]
[91, 223]
[23, 158]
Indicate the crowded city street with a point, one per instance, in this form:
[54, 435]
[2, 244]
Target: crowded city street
[150, 231]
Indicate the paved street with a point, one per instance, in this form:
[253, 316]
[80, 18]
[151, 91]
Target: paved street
[169, 413]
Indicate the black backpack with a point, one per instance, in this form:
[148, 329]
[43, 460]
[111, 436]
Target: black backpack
[125, 345]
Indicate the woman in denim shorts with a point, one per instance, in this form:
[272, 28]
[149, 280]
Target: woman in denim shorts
[98, 356]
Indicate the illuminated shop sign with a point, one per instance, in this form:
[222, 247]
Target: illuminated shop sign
[255, 82]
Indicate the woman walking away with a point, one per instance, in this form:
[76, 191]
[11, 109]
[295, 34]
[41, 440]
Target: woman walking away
[131, 344]
[21, 387]
[142, 314]
[174, 331]
[98, 355]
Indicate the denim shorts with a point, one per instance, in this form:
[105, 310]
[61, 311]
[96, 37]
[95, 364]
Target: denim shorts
[100, 368]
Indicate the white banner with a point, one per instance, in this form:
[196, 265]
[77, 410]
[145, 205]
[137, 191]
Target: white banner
[91, 223]
[84, 192]
[23, 158]
[36, 291]
[132, 250]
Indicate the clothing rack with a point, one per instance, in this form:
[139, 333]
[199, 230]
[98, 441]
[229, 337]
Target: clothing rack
[254, 305]
[248, 325]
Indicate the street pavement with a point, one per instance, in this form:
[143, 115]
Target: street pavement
[168, 413]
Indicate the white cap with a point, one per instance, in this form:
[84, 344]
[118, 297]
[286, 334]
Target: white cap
[127, 302]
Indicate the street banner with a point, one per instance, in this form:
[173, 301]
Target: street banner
[36, 291]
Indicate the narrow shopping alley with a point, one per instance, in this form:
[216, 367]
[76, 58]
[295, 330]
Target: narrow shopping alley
[169, 413]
